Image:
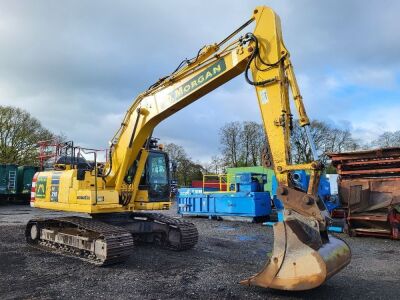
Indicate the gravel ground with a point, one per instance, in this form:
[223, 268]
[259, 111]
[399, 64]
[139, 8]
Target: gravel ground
[226, 253]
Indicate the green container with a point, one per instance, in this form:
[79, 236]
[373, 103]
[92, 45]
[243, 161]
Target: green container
[25, 175]
[8, 180]
[257, 169]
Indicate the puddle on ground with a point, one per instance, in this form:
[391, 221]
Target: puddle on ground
[226, 228]
[246, 238]
[12, 222]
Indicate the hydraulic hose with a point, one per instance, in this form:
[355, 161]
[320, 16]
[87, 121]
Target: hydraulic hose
[256, 54]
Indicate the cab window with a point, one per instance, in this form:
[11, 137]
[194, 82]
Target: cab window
[157, 169]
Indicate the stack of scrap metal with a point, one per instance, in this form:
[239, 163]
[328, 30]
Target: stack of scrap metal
[369, 187]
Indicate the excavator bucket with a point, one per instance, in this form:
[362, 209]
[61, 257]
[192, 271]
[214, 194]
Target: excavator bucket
[301, 259]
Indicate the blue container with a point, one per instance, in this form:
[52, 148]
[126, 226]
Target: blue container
[244, 204]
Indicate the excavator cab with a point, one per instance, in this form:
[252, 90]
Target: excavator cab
[155, 177]
[154, 185]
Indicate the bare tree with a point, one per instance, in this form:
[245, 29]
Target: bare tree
[214, 166]
[257, 142]
[326, 138]
[242, 143]
[218, 165]
[301, 151]
[230, 143]
[387, 139]
[19, 134]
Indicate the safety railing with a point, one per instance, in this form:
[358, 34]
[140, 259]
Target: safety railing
[219, 183]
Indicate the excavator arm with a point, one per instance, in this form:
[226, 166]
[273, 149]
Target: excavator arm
[261, 53]
[304, 255]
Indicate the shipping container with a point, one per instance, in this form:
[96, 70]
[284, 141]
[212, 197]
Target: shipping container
[24, 181]
[8, 180]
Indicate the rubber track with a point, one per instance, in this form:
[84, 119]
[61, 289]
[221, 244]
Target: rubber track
[188, 231]
[119, 241]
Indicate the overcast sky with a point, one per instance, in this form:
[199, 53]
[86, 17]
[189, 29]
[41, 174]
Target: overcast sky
[77, 65]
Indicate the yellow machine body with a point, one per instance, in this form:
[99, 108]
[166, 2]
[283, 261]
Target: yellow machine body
[304, 255]
[60, 190]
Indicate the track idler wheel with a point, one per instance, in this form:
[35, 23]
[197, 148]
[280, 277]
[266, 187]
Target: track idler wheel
[301, 259]
[32, 232]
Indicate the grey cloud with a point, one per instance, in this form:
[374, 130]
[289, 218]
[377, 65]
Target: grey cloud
[76, 65]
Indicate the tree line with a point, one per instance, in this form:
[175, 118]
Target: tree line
[241, 144]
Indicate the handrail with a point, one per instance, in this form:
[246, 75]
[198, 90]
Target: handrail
[222, 181]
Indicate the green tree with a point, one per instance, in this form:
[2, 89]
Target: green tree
[19, 134]
[186, 169]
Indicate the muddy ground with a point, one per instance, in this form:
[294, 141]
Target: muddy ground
[226, 253]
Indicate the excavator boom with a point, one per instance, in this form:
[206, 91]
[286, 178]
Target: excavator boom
[304, 255]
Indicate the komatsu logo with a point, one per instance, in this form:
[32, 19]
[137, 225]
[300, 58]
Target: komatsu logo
[189, 86]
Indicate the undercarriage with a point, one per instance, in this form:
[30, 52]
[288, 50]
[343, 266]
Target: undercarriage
[109, 238]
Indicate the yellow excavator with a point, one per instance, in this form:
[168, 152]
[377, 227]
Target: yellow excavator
[304, 254]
